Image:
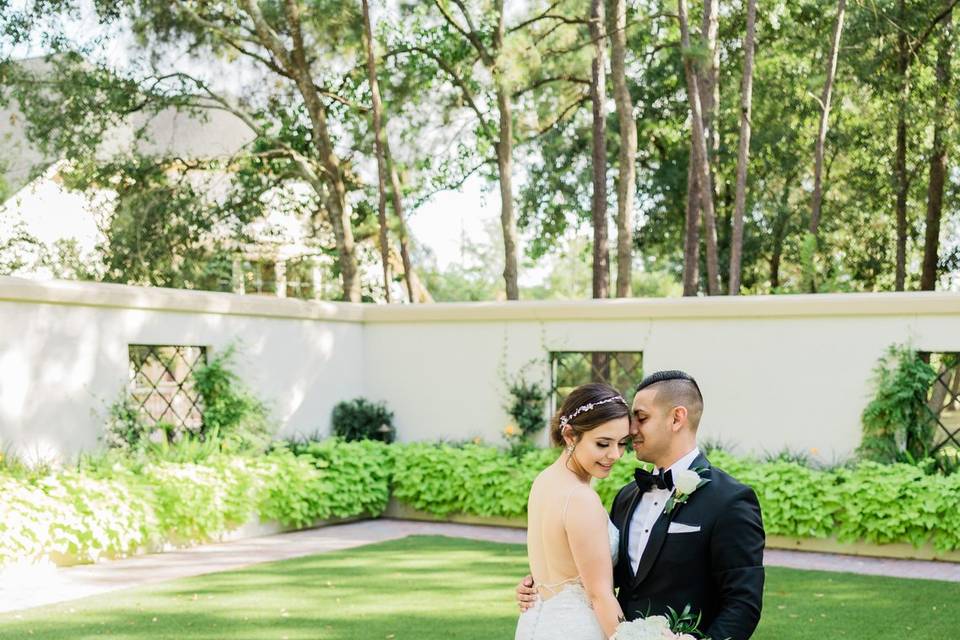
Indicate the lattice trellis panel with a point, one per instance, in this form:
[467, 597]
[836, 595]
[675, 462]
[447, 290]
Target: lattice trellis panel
[622, 370]
[943, 400]
[161, 384]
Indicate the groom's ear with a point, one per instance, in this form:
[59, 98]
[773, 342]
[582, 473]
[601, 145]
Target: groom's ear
[679, 415]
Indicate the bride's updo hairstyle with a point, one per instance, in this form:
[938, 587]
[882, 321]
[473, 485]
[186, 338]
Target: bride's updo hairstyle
[607, 405]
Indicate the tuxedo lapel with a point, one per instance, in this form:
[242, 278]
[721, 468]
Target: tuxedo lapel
[658, 534]
[700, 462]
[625, 529]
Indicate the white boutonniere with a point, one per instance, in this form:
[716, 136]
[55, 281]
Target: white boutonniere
[684, 484]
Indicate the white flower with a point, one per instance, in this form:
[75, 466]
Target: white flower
[157, 436]
[659, 622]
[686, 481]
[652, 628]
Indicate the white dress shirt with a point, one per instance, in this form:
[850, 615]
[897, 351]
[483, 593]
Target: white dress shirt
[650, 507]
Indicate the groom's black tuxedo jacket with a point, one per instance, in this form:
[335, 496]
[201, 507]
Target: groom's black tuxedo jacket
[717, 570]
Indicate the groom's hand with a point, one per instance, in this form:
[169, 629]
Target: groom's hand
[526, 593]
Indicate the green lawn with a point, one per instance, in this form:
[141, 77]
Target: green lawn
[423, 587]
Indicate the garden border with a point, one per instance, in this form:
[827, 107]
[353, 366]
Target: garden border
[896, 551]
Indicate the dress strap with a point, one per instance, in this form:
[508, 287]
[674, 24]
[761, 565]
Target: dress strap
[553, 588]
[563, 512]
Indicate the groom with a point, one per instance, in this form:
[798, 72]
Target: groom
[707, 552]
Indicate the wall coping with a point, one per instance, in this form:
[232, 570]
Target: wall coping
[93, 294]
[120, 296]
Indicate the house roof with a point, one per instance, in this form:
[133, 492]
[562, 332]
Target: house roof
[191, 136]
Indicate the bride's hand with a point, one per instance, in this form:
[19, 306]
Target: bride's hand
[526, 593]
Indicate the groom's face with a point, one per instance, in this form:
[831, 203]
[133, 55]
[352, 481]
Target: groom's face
[650, 426]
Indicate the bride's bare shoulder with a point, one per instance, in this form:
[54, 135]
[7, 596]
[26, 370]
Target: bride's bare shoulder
[584, 501]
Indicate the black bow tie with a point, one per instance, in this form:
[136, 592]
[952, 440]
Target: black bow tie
[647, 481]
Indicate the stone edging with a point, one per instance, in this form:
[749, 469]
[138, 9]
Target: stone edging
[898, 551]
[250, 529]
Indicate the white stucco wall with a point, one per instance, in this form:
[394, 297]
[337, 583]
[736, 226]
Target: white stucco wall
[64, 354]
[784, 371]
[777, 371]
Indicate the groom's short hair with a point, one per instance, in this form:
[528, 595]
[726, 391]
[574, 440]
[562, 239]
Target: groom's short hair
[676, 389]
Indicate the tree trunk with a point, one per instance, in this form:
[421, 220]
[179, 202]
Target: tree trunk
[822, 132]
[691, 236]
[334, 196]
[408, 274]
[508, 221]
[627, 179]
[378, 137]
[900, 158]
[490, 57]
[710, 80]
[420, 292]
[701, 166]
[710, 105]
[743, 153]
[938, 159]
[939, 389]
[779, 233]
[601, 253]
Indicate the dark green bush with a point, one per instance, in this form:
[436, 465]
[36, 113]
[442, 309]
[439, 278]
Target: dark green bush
[360, 419]
[526, 406]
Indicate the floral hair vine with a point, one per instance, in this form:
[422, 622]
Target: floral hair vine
[565, 420]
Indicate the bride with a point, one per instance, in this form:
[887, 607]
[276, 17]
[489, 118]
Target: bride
[570, 540]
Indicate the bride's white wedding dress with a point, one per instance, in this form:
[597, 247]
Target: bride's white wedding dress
[565, 614]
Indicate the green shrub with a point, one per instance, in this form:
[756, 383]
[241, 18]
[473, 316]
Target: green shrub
[232, 414]
[526, 406]
[360, 419]
[233, 418]
[896, 423]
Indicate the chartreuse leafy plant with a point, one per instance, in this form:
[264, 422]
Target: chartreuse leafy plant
[867, 502]
[119, 506]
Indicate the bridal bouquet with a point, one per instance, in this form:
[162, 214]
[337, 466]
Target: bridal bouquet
[649, 628]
